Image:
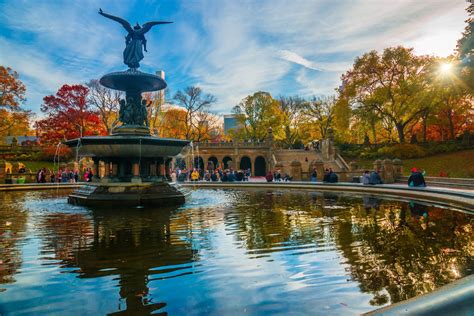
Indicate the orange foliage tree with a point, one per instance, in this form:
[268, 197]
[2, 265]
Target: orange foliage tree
[13, 120]
[68, 115]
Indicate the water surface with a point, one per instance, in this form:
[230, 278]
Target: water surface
[226, 252]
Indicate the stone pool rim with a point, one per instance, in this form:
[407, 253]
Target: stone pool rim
[457, 198]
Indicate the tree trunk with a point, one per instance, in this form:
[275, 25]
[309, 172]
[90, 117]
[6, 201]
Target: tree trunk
[401, 134]
[374, 133]
[424, 129]
[451, 124]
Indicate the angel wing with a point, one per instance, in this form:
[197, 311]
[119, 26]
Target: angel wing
[147, 26]
[124, 23]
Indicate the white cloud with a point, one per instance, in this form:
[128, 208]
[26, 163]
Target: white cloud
[231, 49]
[297, 59]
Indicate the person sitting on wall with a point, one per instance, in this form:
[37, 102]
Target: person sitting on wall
[326, 175]
[195, 175]
[416, 179]
[214, 176]
[231, 176]
[332, 176]
[375, 178]
[269, 176]
[314, 176]
[366, 177]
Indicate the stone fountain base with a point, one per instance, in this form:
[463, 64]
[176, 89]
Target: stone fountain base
[127, 194]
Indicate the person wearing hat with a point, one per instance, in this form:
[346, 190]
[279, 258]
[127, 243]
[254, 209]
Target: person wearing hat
[416, 179]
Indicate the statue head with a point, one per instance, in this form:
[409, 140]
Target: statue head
[122, 102]
[144, 102]
[137, 26]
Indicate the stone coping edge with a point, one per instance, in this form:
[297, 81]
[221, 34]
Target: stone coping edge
[40, 186]
[454, 298]
[454, 198]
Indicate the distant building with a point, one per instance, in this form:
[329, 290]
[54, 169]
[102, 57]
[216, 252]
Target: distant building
[161, 74]
[230, 122]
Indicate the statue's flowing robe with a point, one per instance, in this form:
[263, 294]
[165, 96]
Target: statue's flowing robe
[133, 53]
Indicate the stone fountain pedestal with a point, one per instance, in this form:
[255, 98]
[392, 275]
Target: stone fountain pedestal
[136, 163]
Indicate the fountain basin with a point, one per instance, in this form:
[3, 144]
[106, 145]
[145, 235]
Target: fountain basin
[155, 194]
[127, 146]
[133, 80]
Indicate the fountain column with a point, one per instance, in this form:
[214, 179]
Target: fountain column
[136, 172]
[106, 177]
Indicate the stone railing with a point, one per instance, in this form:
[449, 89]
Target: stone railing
[19, 148]
[232, 145]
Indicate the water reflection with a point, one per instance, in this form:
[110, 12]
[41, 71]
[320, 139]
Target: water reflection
[12, 227]
[127, 243]
[234, 251]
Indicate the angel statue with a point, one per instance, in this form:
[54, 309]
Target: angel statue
[134, 40]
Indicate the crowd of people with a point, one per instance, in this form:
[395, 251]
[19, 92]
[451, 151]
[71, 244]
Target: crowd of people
[373, 177]
[63, 176]
[210, 175]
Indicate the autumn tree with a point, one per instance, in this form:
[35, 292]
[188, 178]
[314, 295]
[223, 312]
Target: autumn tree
[320, 112]
[388, 84]
[173, 123]
[291, 109]
[255, 114]
[13, 119]
[106, 103]
[198, 119]
[68, 115]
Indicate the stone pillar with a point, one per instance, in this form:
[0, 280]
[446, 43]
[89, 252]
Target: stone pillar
[319, 165]
[136, 172]
[295, 170]
[397, 168]
[387, 171]
[163, 169]
[106, 171]
[377, 165]
[252, 166]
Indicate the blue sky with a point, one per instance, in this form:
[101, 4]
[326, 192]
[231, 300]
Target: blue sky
[229, 48]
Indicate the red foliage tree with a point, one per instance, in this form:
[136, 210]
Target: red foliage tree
[69, 115]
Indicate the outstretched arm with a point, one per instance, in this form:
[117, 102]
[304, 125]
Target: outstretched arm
[124, 23]
[147, 26]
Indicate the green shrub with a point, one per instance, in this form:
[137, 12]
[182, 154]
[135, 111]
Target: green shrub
[401, 151]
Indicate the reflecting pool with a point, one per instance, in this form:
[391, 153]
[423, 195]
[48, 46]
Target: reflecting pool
[226, 252]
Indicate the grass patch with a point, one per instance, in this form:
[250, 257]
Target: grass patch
[36, 165]
[458, 164]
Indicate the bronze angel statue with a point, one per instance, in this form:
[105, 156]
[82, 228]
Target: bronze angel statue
[135, 39]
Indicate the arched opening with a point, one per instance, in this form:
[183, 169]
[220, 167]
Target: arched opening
[227, 162]
[212, 163]
[260, 166]
[245, 163]
[198, 163]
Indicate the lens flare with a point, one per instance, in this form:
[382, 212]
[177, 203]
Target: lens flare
[445, 68]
